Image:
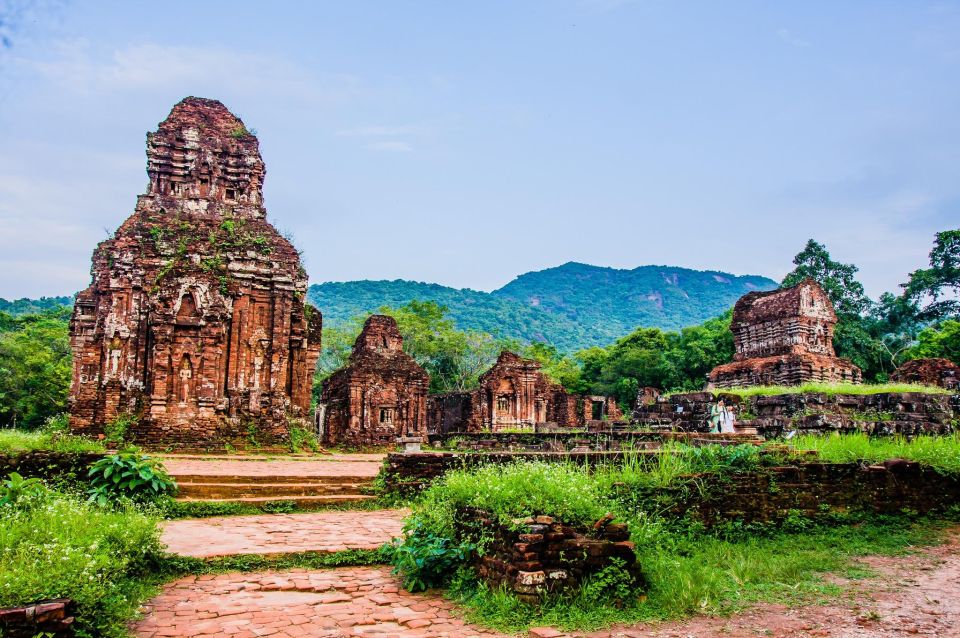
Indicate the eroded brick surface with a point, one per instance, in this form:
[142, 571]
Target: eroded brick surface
[358, 601]
[195, 320]
[784, 337]
[349, 465]
[933, 371]
[282, 533]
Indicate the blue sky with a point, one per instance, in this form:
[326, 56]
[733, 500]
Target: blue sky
[465, 143]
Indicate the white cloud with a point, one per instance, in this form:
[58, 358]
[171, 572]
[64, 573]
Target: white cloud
[785, 36]
[83, 68]
[380, 131]
[390, 146]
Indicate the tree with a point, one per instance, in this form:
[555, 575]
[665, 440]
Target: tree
[941, 340]
[938, 287]
[35, 368]
[838, 280]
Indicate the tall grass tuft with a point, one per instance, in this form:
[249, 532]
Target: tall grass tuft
[18, 442]
[941, 453]
[829, 389]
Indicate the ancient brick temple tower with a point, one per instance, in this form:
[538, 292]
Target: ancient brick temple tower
[784, 337]
[195, 321]
[380, 395]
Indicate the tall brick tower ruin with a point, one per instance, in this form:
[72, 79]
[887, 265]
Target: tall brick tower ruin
[195, 322]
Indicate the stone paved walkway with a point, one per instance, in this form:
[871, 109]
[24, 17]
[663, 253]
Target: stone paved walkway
[362, 465]
[330, 531]
[359, 601]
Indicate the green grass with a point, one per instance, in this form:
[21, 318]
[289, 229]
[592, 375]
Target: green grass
[19, 441]
[54, 545]
[689, 569]
[176, 566]
[829, 389]
[702, 574]
[941, 453]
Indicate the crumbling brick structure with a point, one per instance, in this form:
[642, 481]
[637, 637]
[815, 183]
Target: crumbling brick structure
[934, 371]
[195, 321]
[514, 393]
[784, 337]
[380, 395]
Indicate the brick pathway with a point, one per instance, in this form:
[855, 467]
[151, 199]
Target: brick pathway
[331, 531]
[359, 601]
[364, 465]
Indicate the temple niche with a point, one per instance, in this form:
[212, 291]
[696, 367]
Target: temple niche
[195, 321]
[784, 337]
[515, 394]
[379, 396]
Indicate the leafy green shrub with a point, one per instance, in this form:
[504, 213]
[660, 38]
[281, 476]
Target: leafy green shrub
[116, 432]
[423, 559]
[508, 492]
[285, 506]
[59, 546]
[302, 440]
[129, 475]
[15, 489]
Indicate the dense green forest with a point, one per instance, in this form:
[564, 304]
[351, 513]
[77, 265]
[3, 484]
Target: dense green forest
[26, 306]
[923, 320]
[571, 307]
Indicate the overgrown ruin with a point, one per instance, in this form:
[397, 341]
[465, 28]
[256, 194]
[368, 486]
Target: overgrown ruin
[514, 393]
[933, 371]
[195, 323]
[784, 337]
[379, 396]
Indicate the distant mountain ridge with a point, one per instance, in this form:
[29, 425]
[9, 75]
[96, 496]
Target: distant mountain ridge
[571, 306]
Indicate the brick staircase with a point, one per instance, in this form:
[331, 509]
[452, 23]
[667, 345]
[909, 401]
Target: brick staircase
[307, 482]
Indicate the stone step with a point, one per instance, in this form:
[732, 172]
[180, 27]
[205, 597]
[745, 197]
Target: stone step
[277, 490]
[305, 502]
[251, 479]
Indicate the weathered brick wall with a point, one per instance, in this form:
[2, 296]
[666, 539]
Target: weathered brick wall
[561, 441]
[47, 618]
[48, 465]
[544, 555]
[812, 490]
[195, 319]
[884, 413]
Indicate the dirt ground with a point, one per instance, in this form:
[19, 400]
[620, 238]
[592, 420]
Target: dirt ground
[915, 595]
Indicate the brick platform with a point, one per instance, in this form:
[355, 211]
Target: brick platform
[319, 603]
[275, 534]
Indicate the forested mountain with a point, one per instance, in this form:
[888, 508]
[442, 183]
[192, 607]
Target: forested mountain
[26, 306]
[572, 306]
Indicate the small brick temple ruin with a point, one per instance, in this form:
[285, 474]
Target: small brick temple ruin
[933, 371]
[195, 321]
[784, 337]
[514, 393]
[379, 396]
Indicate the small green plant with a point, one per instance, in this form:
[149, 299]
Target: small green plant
[302, 440]
[129, 475]
[16, 488]
[424, 560]
[116, 431]
[280, 507]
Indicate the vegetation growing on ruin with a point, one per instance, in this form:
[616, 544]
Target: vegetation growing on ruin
[689, 569]
[830, 389]
[941, 453]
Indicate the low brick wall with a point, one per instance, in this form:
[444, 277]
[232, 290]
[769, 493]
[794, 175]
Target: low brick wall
[906, 413]
[545, 555]
[811, 490]
[48, 618]
[49, 465]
